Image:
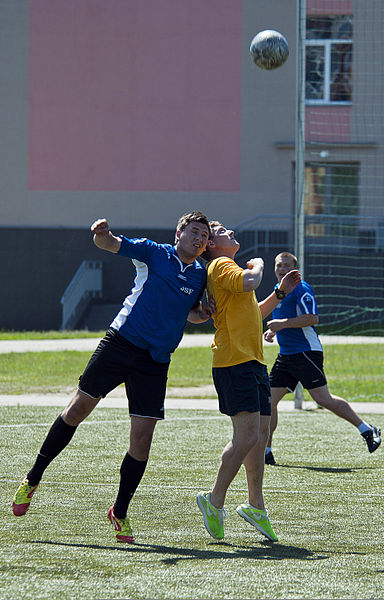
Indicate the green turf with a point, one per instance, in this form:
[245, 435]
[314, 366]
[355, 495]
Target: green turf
[325, 500]
[49, 335]
[355, 372]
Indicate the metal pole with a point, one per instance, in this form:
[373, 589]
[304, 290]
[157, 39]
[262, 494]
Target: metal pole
[300, 151]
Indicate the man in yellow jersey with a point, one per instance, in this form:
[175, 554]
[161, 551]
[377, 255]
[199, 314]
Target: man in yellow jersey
[240, 376]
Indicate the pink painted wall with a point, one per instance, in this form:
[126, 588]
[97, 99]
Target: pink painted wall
[327, 124]
[135, 95]
[329, 7]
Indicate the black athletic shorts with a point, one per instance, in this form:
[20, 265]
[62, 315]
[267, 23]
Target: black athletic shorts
[117, 361]
[243, 387]
[306, 367]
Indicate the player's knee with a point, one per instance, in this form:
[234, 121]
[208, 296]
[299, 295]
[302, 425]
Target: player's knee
[251, 439]
[79, 408]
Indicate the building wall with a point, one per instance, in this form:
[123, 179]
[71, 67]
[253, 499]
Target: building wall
[117, 109]
[122, 110]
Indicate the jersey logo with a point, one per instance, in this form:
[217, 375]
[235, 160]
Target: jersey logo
[186, 290]
[183, 277]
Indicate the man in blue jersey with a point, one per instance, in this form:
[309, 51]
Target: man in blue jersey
[300, 356]
[136, 350]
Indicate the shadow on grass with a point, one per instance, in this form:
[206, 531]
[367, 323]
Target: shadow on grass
[265, 551]
[335, 470]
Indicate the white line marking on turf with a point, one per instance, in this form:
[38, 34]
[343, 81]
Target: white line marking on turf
[192, 488]
[114, 421]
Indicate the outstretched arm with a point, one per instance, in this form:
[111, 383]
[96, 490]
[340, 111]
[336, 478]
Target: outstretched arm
[103, 237]
[276, 325]
[305, 320]
[287, 284]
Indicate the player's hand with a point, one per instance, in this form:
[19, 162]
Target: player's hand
[208, 308]
[103, 237]
[269, 336]
[255, 263]
[100, 227]
[290, 281]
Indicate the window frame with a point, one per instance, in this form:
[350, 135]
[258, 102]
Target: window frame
[327, 45]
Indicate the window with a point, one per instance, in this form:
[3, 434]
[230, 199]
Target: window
[329, 59]
[331, 202]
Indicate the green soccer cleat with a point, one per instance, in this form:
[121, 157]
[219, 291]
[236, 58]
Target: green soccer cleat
[258, 518]
[122, 527]
[213, 517]
[23, 497]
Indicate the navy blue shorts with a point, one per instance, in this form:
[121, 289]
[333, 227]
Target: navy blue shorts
[243, 387]
[306, 367]
[117, 361]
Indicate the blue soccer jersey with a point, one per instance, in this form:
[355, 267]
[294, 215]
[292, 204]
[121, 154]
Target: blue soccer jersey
[299, 302]
[165, 289]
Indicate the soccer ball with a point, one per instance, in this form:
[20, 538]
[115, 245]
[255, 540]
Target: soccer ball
[269, 49]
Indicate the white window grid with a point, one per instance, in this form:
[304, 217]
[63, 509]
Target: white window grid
[327, 45]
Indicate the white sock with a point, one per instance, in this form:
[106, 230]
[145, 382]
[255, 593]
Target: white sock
[268, 450]
[363, 427]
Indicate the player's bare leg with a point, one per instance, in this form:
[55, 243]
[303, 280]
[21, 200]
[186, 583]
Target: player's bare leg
[335, 404]
[343, 409]
[276, 395]
[79, 408]
[245, 436]
[254, 465]
[254, 511]
[141, 434]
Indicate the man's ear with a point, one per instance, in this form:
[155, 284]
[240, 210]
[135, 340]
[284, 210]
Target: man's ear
[211, 243]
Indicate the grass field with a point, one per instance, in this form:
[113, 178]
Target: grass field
[355, 372]
[325, 499]
[53, 334]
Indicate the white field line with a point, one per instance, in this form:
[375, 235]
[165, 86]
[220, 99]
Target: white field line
[113, 421]
[188, 341]
[193, 488]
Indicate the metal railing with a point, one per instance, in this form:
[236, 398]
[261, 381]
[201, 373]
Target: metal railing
[321, 232]
[87, 283]
[266, 231]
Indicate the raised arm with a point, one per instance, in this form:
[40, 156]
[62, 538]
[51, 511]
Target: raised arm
[253, 274]
[103, 237]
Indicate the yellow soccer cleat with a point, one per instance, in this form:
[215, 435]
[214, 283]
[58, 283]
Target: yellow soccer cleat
[23, 497]
[258, 518]
[122, 527]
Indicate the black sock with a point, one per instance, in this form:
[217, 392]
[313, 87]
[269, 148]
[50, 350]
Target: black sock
[57, 439]
[131, 472]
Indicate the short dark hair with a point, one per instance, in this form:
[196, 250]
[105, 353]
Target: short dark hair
[287, 255]
[195, 216]
[206, 254]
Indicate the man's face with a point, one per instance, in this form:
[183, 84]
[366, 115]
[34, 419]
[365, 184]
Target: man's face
[192, 240]
[224, 240]
[283, 264]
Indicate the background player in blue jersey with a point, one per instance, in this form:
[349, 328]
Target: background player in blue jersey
[136, 350]
[300, 356]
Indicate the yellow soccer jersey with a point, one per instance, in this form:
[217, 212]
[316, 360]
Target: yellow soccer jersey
[238, 322]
